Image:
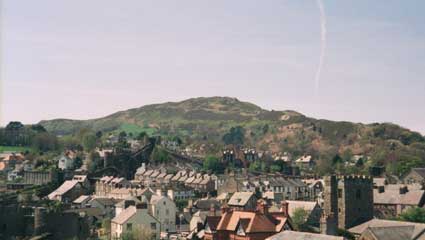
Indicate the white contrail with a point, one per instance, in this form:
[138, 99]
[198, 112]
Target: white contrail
[323, 43]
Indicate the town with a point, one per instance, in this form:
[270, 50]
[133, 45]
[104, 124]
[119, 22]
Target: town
[212, 120]
[121, 186]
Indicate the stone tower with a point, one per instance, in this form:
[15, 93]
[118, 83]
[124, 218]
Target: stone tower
[349, 198]
[329, 219]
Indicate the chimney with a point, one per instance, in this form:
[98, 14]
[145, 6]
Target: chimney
[225, 209]
[285, 208]
[381, 189]
[212, 210]
[262, 207]
[403, 190]
[159, 192]
[170, 194]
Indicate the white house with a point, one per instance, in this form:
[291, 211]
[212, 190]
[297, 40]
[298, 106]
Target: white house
[134, 217]
[164, 209]
[65, 162]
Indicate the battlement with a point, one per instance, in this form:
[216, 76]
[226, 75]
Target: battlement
[345, 178]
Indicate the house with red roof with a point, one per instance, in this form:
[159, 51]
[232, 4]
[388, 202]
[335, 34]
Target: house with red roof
[237, 224]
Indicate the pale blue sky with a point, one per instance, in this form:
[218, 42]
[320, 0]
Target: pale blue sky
[85, 59]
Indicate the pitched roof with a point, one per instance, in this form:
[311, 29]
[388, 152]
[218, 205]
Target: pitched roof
[223, 196]
[155, 198]
[291, 235]
[205, 204]
[419, 171]
[240, 198]
[106, 201]
[392, 233]
[419, 228]
[213, 222]
[64, 188]
[394, 197]
[81, 199]
[253, 222]
[306, 205]
[125, 215]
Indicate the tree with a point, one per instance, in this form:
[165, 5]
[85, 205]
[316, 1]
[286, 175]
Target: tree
[265, 128]
[139, 232]
[255, 166]
[106, 225]
[415, 214]
[38, 128]
[177, 139]
[14, 134]
[275, 168]
[236, 136]
[78, 162]
[336, 160]
[141, 136]
[159, 155]
[212, 163]
[299, 218]
[45, 142]
[93, 161]
[89, 141]
[99, 134]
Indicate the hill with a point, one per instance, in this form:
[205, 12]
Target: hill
[201, 121]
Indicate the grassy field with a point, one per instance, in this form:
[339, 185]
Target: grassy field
[13, 149]
[135, 129]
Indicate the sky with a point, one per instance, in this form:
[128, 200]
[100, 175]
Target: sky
[84, 59]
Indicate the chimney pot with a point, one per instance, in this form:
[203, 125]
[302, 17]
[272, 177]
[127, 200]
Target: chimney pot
[285, 208]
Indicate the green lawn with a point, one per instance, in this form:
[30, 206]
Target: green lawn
[13, 149]
[135, 129]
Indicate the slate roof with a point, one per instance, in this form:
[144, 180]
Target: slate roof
[125, 215]
[306, 205]
[64, 188]
[81, 199]
[291, 235]
[419, 171]
[394, 197]
[392, 233]
[240, 198]
[205, 204]
[418, 231]
[106, 201]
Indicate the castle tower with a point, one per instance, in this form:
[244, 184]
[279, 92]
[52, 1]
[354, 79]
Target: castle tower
[329, 219]
[349, 199]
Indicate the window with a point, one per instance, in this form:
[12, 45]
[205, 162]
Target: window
[339, 193]
[153, 226]
[164, 203]
[129, 226]
[167, 212]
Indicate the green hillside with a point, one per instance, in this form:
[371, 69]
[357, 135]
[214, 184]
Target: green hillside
[201, 121]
